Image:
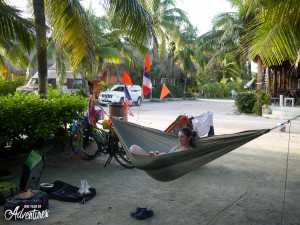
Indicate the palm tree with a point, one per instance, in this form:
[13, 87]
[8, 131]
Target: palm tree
[110, 50]
[184, 54]
[16, 37]
[70, 29]
[223, 48]
[41, 45]
[132, 18]
[166, 20]
[274, 33]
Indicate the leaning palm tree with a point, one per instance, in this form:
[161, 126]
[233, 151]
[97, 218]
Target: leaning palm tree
[72, 29]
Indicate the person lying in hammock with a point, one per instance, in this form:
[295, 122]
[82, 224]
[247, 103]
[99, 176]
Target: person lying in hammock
[186, 141]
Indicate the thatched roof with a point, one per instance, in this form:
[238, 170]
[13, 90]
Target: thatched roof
[13, 69]
[175, 72]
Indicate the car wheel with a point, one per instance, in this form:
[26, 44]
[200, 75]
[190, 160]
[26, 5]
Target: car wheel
[121, 101]
[139, 101]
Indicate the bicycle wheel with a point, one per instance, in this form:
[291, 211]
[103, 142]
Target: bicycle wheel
[85, 144]
[120, 154]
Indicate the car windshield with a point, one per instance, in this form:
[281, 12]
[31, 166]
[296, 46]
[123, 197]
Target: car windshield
[117, 88]
[33, 81]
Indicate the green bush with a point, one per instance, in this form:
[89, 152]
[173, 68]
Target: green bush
[9, 87]
[28, 119]
[257, 109]
[245, 101]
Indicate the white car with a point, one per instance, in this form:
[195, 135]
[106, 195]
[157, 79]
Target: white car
[116, 95]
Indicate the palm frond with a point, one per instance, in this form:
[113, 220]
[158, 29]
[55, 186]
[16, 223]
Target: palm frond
[14, 27]
[274, 35]
[131, 17]
[71, 29]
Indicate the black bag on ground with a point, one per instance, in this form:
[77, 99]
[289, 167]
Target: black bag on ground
[65, 192]
[16, 207]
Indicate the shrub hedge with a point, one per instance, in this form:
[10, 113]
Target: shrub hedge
[28, 119]
[245, 101]
[177, 91]
[9, 87]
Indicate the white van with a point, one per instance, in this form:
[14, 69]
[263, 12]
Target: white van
[72, 83]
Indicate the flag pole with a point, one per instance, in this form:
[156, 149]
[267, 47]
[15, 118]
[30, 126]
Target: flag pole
[175, 100]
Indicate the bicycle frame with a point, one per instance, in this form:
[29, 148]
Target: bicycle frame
[97, 141]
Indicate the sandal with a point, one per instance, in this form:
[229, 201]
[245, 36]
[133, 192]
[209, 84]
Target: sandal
[135, 211]
[143, 214]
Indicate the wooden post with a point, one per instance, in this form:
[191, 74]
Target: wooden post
[269, 81]
[259, 84]
[275, 84]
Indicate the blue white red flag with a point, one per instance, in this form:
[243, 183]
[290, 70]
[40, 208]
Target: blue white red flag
[147, 85]
[127, 98]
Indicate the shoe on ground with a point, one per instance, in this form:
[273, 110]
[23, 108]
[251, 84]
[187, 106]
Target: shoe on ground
[135, 211]
[143, 214]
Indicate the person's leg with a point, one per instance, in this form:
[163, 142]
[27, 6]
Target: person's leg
[137, 150]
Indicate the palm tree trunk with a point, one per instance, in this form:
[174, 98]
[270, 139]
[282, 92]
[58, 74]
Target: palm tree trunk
[249, 72]
[269, 81]
[41, 45]
[184, 88]
[259, 84]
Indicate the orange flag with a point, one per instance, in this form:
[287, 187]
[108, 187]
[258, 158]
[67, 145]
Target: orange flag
[147, 63]
[164, 91]
[127, 79]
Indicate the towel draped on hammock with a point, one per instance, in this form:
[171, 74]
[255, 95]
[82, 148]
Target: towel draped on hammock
[168, 167]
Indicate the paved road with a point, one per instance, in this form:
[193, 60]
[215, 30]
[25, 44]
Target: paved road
[161, 114]
[246, 186]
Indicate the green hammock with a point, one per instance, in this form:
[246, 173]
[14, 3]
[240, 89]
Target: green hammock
[168, 167]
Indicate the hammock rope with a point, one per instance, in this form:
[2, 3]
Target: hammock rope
[286, 171]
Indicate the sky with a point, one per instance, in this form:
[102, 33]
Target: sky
[200, 12]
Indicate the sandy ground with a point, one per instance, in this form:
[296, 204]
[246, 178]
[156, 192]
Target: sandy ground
[246, 186]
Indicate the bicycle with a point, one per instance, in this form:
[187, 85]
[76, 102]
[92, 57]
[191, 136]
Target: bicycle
[90, 142]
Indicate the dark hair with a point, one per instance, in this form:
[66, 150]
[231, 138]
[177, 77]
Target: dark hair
[189, 133]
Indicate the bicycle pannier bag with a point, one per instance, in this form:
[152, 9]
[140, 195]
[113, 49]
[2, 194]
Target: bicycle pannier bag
[65, 192]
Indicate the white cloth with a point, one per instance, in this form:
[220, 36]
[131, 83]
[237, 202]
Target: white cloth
[202, 123]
